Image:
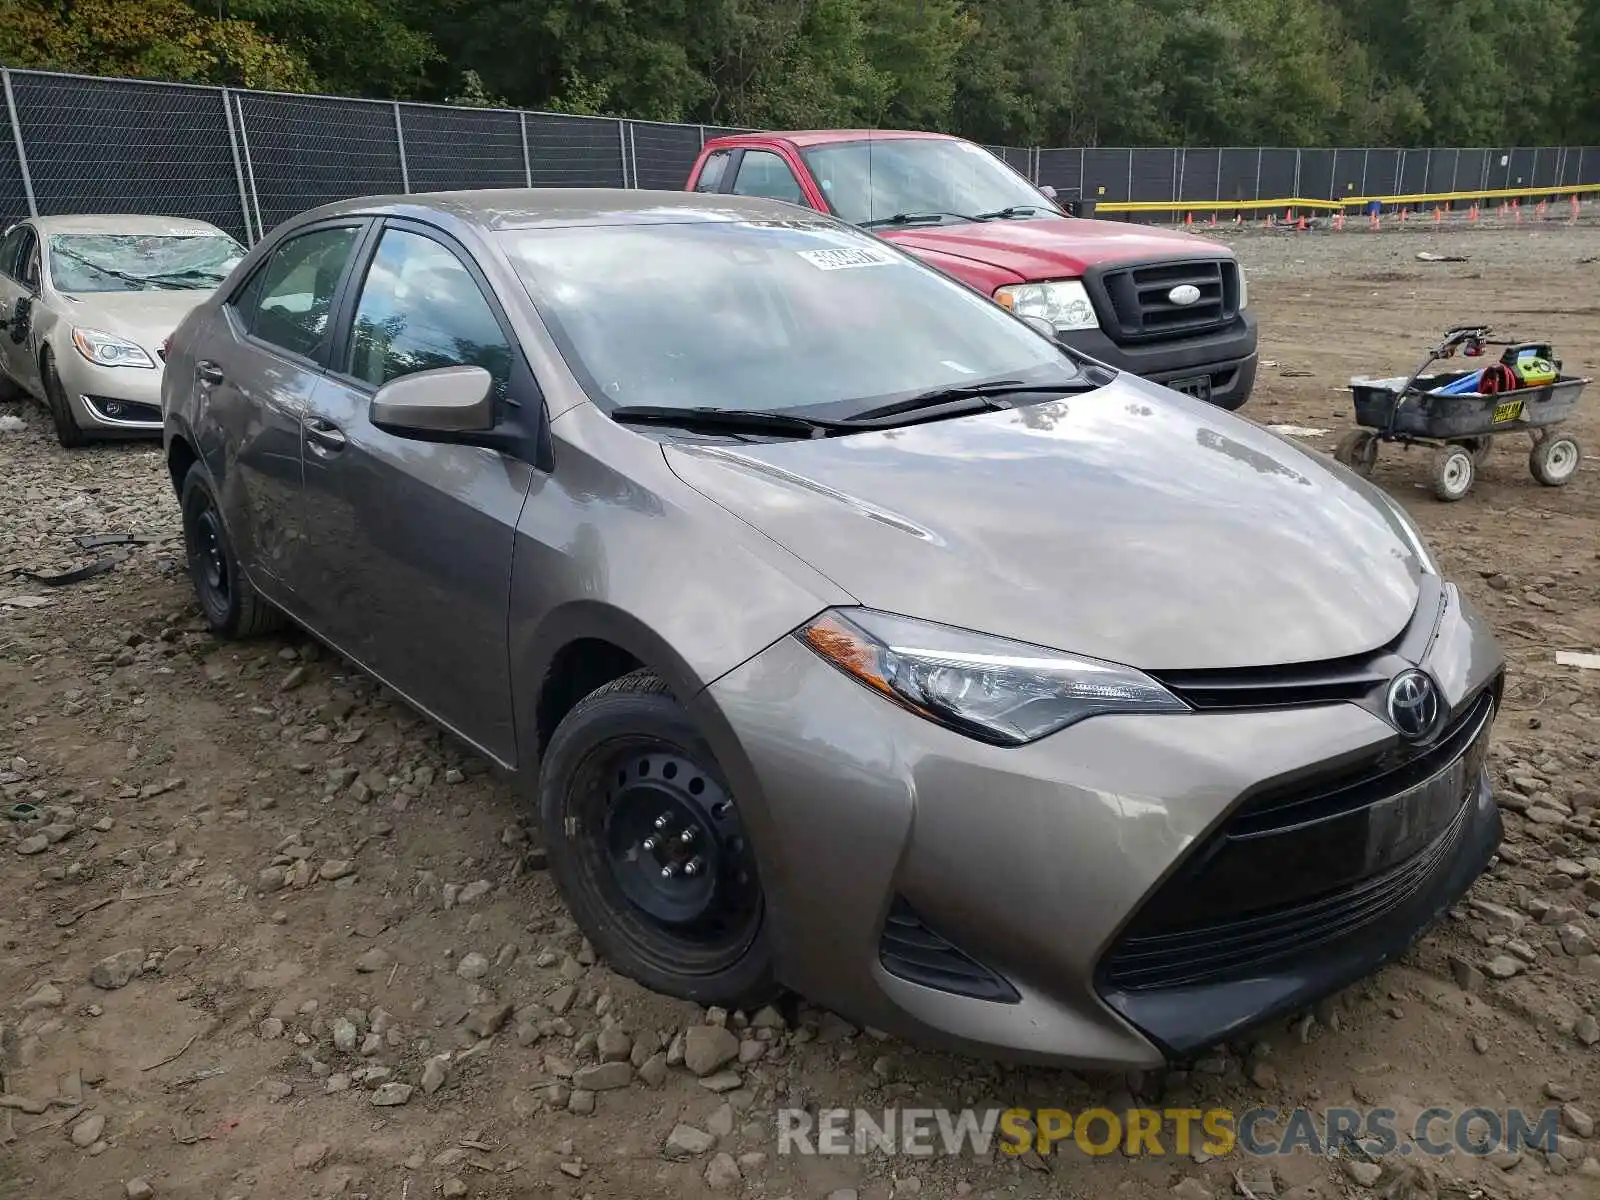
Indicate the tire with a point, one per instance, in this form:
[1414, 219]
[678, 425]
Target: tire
[55, 399]
[1358, 450]
[1453, 473]
[626, 781]
[232, 607]
[1554, 459]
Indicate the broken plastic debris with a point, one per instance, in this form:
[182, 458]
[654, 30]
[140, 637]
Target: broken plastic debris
[1571, 658]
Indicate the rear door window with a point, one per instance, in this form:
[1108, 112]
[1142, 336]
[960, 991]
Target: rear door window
[289, 300]
[712, 171]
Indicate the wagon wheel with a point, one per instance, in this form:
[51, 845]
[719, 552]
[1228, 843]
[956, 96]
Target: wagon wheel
[1478, 447]
[1358, 450]
[1555, 458]
[1453, 473]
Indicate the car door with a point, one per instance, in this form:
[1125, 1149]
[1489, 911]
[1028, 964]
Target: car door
[409, 542]
[255, 367]
[19, 291]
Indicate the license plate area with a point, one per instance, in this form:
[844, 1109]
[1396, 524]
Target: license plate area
[1198, 386]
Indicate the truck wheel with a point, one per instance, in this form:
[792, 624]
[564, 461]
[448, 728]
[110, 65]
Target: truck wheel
[1453, 473]
[1358, 450]
[1555, 459]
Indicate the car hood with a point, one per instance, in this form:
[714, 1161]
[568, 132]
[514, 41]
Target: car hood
[1129, 524]
[1054, 248]
[146, 317]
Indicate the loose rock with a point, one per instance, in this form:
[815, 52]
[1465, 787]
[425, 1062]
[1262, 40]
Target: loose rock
[117, 970]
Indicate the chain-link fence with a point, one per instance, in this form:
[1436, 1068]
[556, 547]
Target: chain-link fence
[246, 160]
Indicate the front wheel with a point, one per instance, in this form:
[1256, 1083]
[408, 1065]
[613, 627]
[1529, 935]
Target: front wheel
[67, 431]
[232, 606]
[1555, 458]
[647, 847]
[1453, 473]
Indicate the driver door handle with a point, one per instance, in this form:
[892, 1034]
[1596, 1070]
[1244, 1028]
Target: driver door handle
[323, 437]
[208, 372]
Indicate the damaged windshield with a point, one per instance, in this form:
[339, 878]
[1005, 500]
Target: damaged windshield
[121, 262]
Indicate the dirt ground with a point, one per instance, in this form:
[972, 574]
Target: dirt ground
[308, 897]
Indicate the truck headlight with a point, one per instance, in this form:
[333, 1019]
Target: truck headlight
[1063, 302]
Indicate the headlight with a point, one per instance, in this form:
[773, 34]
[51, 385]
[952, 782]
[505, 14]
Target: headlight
[1064, 303]
[1244, 287]
[989, 688]
[109, 350]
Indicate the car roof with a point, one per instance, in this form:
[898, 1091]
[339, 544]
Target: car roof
[822, 137]
[526, 208]
[122, 223]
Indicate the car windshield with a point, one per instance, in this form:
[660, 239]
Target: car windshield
[769, 316]
[884, 178]
[128, 262]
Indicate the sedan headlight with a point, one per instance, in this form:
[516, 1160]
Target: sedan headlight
[1064, 303]
[109, 350]
[993, 689]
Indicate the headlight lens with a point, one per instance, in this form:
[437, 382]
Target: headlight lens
[109, 350]
[1064, 303]
[993, 689]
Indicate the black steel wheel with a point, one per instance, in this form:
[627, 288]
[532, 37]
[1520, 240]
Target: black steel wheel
[648, 849]
[232, 607]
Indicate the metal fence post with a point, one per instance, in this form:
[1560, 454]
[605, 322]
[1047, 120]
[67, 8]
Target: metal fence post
[249, 166]
[1366, 152]
[527, 158]
[1176, 174]
[238, 169]
[633, 151]
[622, 150]
[1183, 165]
[1131, 153]
[1260, 150]
[1455, 170]
[702, 129]
[1296, 186]
[400, 143]
[22, 153]
[1579, 179]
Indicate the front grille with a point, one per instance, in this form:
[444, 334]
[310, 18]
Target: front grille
[911, 951]
[1235, 949]
[1276, 687]
[1307, 863]
[1138, 299]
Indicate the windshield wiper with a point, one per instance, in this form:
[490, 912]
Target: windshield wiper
[1015, 210]
[727, 420]
[913, 218]
[987, 394]
[193, 273]
[126, 276]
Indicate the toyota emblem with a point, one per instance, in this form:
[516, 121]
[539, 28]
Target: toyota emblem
[1413, 705]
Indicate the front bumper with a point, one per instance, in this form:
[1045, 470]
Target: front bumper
[884, 840]
[1227, 357]
[111, 401]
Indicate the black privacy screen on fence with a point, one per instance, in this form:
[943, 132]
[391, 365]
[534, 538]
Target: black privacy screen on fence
[247, 160]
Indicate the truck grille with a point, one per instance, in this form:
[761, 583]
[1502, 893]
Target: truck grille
[1139, 299]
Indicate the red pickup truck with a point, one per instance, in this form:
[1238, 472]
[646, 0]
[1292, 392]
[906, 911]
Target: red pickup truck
[1161, 304]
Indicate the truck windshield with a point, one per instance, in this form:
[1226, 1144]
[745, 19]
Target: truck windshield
[884, 178]
[777, 316]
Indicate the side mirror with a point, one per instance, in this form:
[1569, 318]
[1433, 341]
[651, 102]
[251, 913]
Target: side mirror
[445, 402]
[1040, 326]
[1049, 192]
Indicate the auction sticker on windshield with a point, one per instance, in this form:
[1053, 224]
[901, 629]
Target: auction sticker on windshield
[842, 257]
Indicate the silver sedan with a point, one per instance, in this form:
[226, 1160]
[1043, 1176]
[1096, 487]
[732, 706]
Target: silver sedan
[86, 306]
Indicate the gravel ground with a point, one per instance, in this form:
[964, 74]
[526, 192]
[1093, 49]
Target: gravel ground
[273, 936]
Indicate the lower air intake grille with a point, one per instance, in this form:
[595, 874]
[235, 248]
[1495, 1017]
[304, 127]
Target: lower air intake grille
[911, 951]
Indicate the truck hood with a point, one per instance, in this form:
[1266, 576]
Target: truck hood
[1130, 524]
[147, 318]
[1053, 248]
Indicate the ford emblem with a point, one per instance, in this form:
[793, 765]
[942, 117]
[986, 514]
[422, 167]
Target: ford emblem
[1184, 293]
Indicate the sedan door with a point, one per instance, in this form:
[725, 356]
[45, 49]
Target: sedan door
[254, 368]
[19, 293]
[409, 542]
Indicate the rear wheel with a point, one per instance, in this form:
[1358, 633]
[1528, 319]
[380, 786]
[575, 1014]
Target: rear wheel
[1555, 458]
[232, 607]
[1453, 473]
[648, 849]
[55, 397]
[1358, 450]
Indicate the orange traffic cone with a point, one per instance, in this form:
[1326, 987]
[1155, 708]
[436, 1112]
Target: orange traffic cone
[1301, 225]
[1338, 219]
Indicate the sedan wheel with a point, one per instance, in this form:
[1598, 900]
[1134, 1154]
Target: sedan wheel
[67, 431]
[648, 849]
[232, 607]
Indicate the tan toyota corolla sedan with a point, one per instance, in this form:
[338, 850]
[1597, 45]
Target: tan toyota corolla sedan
[853, 635]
